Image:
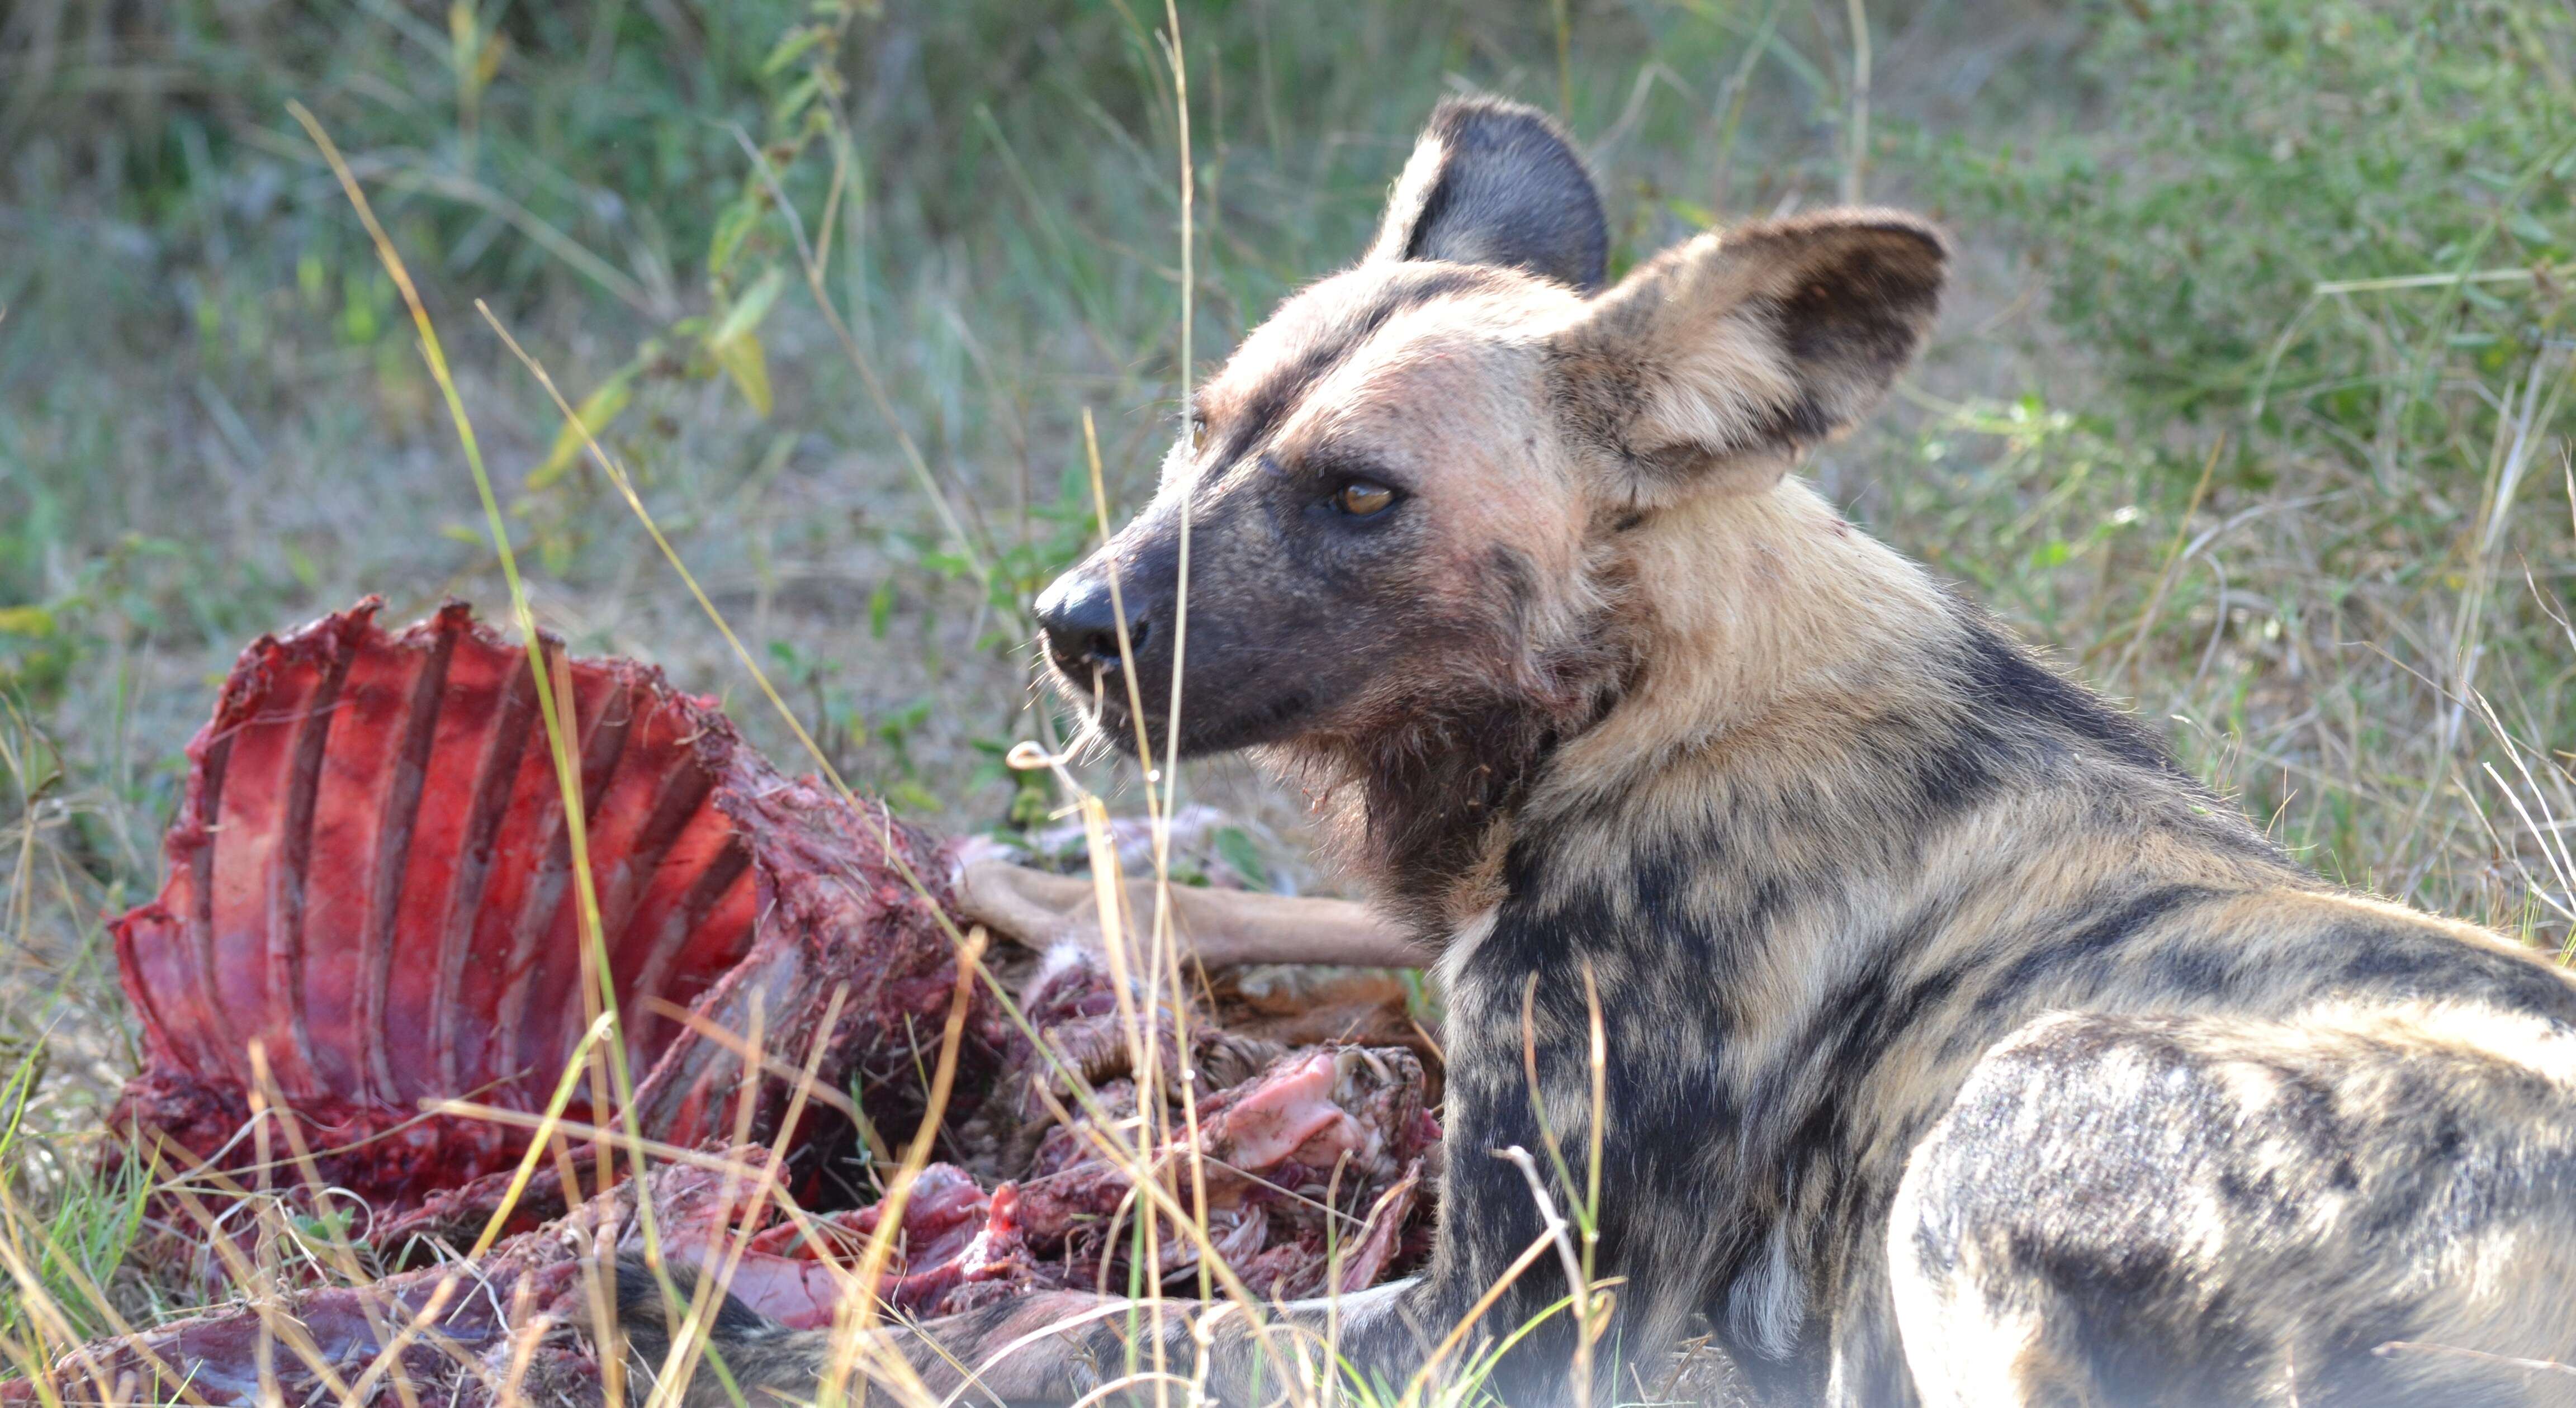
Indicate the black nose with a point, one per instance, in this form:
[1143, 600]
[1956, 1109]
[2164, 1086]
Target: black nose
[1079, 618]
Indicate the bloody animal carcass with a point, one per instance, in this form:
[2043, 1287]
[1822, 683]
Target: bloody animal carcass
[371, 885]
[372, 912]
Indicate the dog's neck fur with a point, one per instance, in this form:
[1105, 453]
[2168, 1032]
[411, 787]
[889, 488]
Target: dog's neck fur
[1770, 623]
[1761, 613]
[1420, 811]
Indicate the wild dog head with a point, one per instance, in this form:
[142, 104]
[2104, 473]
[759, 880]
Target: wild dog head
[1400, 500]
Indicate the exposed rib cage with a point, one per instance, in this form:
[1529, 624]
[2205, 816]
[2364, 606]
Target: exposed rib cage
[371, 879]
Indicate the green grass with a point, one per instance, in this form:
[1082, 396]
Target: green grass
[2252, 403]
[2315, 254]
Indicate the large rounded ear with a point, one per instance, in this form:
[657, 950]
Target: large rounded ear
[1712, 366]
[1496, 182]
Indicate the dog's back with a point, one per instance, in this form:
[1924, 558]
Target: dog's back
[2368, 1204]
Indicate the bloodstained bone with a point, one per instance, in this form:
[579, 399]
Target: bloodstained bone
[370, 878]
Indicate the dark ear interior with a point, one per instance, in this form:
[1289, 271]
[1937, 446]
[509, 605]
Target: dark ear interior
[1496, 182]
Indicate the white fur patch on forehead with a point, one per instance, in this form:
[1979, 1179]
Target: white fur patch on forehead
[1351, 317]
[1317, 315]
[1457, 364]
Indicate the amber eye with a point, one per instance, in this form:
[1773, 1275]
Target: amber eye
[1360, 498]
[1198, 434]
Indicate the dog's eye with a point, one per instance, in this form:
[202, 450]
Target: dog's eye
[1198, 434]
[1362, 499]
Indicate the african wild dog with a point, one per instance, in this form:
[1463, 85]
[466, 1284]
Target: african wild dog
[1962, 1049]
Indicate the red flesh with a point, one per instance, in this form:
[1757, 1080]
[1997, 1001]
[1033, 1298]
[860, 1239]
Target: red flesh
[371, 879]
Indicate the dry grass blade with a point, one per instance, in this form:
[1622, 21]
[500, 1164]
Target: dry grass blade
[812, 262]
[2173, 563]
[553, 696]
[1559, 1233]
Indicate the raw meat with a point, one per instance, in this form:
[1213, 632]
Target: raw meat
[371, 879]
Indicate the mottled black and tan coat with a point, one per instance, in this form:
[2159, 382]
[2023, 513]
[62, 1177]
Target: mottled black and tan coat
[1962, 1049]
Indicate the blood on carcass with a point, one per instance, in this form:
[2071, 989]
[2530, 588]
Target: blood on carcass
[371, 878]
